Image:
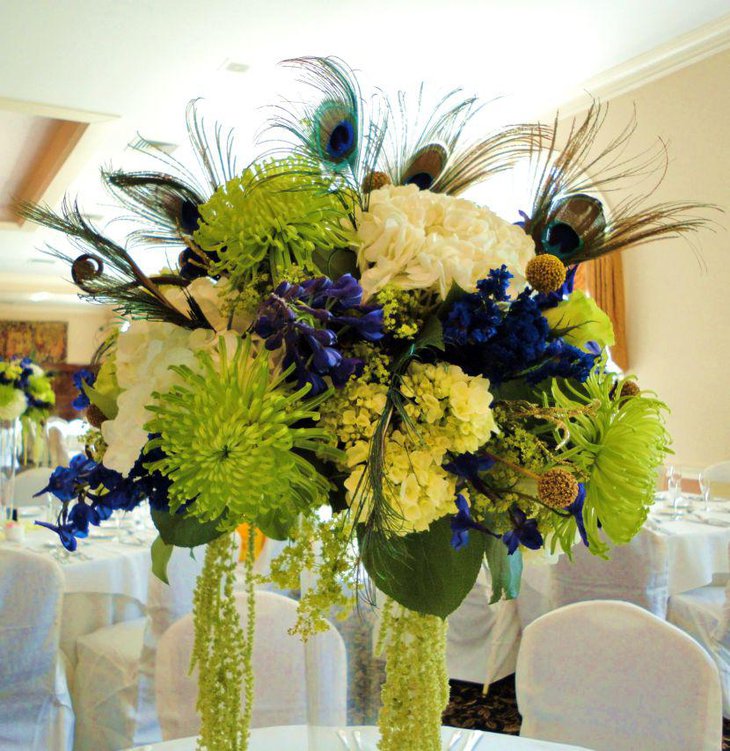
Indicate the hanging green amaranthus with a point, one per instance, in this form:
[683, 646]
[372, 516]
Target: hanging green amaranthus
[416, 688]
[221, 650]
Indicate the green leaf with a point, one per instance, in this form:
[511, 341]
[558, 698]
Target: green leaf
[422, 571]
[161, 553]
[579, 320]
[505, 570]
[277, 525]
[431, 335]
[107, 403]
[185, 531]
[336, 263]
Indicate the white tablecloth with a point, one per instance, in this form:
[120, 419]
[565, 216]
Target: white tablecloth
[697, 544]
[294, 738]
[105, 581]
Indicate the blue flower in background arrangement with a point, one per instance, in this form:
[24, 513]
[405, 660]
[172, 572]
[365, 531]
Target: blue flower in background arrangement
[524, 532]
[81, 377]
[307, 319]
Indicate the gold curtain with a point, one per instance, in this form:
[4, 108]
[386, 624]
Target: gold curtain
[603, 279]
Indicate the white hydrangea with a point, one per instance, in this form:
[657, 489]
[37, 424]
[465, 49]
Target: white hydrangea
[452, 414]
[144, 355]
[12, 402]
[416, 239]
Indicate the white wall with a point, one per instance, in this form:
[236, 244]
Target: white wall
[678, 304]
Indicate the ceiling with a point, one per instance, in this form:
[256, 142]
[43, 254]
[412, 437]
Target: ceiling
[140, 61]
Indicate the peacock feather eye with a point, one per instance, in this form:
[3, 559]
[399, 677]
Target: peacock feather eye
[425, 166]
[575, 219]
[336, 129]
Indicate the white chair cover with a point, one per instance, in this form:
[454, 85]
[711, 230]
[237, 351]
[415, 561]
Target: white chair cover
[704, 614]
[278, 664]
[610, 676]
[115, 702]
[28, 483]
[483, 639]
[637, 572]
[35, 705]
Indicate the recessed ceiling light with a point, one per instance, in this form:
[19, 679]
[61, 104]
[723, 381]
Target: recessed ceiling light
[233, 67]
[145, 144]
[39, 296]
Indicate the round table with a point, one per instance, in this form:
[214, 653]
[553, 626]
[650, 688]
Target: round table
[105, 580]
[295, 738]
[697, 543]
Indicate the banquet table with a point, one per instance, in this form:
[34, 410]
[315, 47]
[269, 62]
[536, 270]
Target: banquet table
[294, 738]
[105, 580]
[697, 543]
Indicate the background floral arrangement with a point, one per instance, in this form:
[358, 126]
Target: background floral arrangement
[25, 390]
[343, 328]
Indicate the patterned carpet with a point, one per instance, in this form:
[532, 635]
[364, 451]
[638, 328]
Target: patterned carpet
[497, 712]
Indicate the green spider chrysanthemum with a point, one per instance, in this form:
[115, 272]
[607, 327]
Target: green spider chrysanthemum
[229, 434]
[281, 211]
[617, 447]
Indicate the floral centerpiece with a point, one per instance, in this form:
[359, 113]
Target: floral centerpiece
[344, 328]
[25, 390]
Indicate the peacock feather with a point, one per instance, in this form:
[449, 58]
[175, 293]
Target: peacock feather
[106, 273]
[569, 222]
[429, 148]
[166, 202]
[337, 131]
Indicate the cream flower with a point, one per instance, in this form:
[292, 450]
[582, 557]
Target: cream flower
[144, 354]
[451, 412]
[12, 402]
[416, 239]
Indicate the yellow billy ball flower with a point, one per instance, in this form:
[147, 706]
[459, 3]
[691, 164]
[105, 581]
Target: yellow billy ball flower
[545, 273]
[557, 488]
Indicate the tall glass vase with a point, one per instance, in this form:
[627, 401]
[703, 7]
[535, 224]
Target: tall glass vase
[9, 434]
[344, 678]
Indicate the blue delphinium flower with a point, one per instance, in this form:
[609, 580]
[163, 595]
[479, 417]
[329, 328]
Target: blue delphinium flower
[519, 342]
[81, 377]
[563, 361]
[463, 522]
[551, 299]
[65, 482]
[576, 509]
[307, 319]
[468, 467]
[65, 532]
[524, 532]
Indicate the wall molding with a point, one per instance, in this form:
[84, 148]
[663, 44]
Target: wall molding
[667, 58]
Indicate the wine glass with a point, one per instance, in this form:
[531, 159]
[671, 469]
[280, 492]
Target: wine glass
[674, 488]
[706, 491]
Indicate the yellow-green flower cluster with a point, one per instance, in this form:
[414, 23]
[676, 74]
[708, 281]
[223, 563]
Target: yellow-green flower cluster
[280, 212]
[323, 552]
[403, 311]
[222, 651]
[352, 413]
[416, 688]
[450, 412]
[454, 407]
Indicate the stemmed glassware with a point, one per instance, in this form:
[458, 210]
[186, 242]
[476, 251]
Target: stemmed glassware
[674, 489]
[706, 491]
